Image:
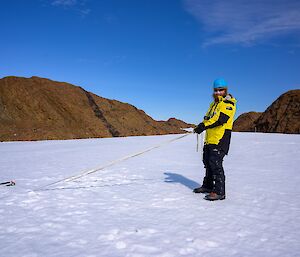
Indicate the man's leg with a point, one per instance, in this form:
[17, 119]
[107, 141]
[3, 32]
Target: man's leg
[208, 179]
[216, 165]
[207, 184]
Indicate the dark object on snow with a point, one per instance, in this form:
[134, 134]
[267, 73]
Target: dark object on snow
[8, 183]
[201, 190]
[213, 197]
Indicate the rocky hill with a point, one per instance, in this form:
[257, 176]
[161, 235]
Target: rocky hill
[178, 123]
[282, 116]
[246, 122]
[37, 109]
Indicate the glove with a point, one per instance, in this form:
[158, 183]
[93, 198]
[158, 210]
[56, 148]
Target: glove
[199, 129]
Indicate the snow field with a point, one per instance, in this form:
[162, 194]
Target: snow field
[144, 206]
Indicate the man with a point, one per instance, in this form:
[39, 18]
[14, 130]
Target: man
[218, 125]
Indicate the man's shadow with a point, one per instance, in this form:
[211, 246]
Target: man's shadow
[177, 178]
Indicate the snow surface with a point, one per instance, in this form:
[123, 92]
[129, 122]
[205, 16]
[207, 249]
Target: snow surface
[144, 206]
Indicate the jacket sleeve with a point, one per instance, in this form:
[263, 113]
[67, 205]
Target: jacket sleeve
[223, 118]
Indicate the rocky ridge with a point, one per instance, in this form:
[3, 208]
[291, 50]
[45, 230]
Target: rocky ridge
[39, 109]
[282, 116]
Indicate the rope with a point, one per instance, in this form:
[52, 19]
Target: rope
[202, 143]
[132, 181]
[88, 172]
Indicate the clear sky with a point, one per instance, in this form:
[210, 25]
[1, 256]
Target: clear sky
[159, 55]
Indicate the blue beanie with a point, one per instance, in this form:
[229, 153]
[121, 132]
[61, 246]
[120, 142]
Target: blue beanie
[220, 83]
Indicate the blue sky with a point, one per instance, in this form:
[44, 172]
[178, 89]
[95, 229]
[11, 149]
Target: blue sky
[159, 55]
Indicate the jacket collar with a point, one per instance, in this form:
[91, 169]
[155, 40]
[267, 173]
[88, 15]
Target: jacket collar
[228, 97]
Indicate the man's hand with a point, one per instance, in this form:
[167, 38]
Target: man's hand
[199, 129]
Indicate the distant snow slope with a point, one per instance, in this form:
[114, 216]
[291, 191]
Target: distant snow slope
[145, 206]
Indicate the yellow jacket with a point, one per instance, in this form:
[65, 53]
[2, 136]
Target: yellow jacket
[218, 122]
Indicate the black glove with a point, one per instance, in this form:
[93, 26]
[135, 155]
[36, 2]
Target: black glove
[199, 129]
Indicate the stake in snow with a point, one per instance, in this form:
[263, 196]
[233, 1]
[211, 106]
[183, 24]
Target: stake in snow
[144, 206]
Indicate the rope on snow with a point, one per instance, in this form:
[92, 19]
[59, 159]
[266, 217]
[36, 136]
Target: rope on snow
[90, 171]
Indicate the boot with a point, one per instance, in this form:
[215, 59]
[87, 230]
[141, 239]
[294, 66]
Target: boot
[214, 196]
[201, 190]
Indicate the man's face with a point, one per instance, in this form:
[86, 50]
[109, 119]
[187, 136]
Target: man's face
[219, 91]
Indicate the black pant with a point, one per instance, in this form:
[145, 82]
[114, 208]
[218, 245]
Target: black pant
[213, 162]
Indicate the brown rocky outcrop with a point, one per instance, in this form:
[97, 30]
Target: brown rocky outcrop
[179, 123]
[283, 115]
[37, 109]
[246, 122]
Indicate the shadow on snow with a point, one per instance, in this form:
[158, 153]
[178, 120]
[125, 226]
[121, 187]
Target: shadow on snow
[177, 178]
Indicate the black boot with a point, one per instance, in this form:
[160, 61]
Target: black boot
[201, 190]
[214, 196]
